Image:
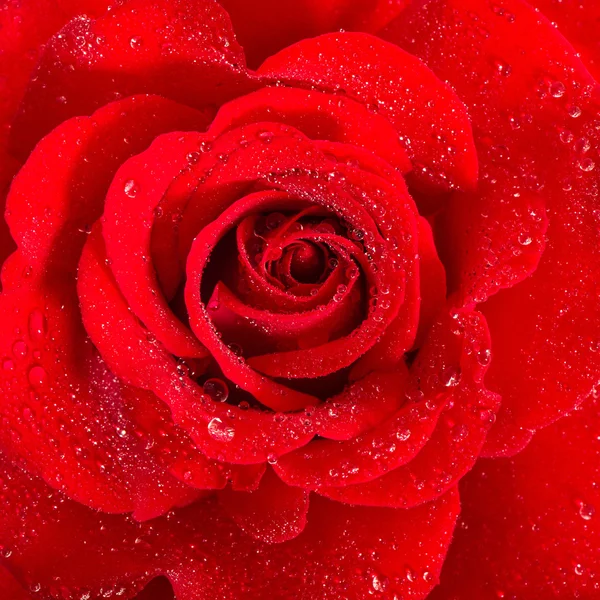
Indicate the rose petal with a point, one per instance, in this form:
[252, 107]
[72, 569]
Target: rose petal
[182, 49]
[50, 369]
[200, 551]
[459, 434]
[141, 361]
[397, 86]
[129, 212]
[535, 126]
[432, 282]
[320, 117]
[23, 34]
[577, 20]
[273, 513]
[544, 498]
[447, 378]
[49, 215]
[10, 588]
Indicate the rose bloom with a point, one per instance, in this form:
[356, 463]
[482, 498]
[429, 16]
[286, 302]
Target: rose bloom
[299, 299]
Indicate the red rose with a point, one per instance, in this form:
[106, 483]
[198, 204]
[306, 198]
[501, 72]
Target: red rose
[273, 297]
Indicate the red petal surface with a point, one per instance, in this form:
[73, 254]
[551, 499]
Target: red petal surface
[343, 551]
[530, 525]
[534, 110]
[183, 50]
[453, 360]
[22, 34]
[273, 513]
[578, 21]
[10, 589]
[25, 26]
[264, 27]
[396, 85]
[129, 211]
[60, 400]
[319, 116]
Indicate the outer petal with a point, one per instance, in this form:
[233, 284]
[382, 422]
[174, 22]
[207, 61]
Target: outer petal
[25, 25]
[530, 526]
[343, 552]
[578, 21]
[398, 86]
[50, 370]
[535, 121]
[184, 50]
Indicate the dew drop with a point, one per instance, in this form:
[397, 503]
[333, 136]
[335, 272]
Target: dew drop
[8, 364]
[265, 136]
[379, 583]
[130, 188]
[484, 356]
[587, 165]
[274, 220]
[586, 511]
[236, 349]
[450, 377]
[37, 376]
[217, 389]
[403, 434]
[557, 89]
[213, 305]
[136, 42]
[524, 239]
[193, 157]
[219, 431]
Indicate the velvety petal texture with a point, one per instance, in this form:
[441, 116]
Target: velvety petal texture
[535, 126]
[529, 525]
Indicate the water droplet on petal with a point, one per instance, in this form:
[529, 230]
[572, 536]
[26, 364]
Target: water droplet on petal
[484, 356]
[557, 89]
[217, 389]
[524, 239]
[265, 136]
[587, 165]
[403, 434]
[130, 188]
[37, 376]
[586, 511]
[219, 431]
[450, 377]
[20, 349]
[193, 157]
